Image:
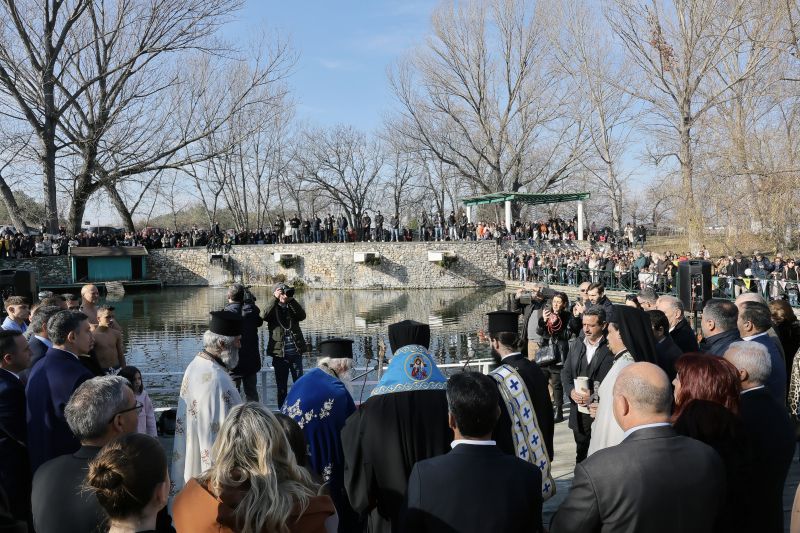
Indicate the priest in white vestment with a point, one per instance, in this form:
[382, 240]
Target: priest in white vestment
[207, 395]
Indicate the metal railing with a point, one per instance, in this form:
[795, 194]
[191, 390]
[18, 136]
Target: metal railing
[633, 280]
[483, 365]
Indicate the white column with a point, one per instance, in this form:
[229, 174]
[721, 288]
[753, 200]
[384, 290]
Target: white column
[508, 215]
[468, 208]
[580, 220]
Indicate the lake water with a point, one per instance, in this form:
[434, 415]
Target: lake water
[163, 329]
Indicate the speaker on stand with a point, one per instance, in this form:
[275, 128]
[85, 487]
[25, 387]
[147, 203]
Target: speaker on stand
[18, 283]
[694, 285]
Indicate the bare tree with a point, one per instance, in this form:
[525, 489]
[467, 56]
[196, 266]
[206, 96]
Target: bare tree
[587, 55]
[341, 164]
[677, 46]
[485, 98]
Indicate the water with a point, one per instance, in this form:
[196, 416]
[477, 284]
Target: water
[163, 329]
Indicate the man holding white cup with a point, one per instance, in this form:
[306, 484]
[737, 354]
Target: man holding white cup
[588, 362]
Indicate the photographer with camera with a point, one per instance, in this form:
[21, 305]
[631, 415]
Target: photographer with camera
[242, 302]
[529, 303]
[286, 344]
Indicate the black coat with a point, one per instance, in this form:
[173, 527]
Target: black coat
[38, 349]
[382, 441]
[598, 368]
[477, 489]
[249, 353]
[684, 337]
[633, 487]
[15, 474]
[536, 383]
[559, 339]
[772, 438]
[718, 344]
[59, 506]
[667, 352]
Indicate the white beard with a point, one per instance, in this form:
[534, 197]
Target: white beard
[230, 357]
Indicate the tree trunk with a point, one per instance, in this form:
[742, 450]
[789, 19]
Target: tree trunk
[122, 209]
[690, 215]
[14, 211]
[83, 191]
[49, 175]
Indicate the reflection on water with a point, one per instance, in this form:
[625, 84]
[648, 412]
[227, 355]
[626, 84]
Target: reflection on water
[163, 330]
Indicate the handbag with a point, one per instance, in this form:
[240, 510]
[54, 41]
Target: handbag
[546, 355]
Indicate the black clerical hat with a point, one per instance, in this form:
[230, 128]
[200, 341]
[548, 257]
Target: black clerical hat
[336, 348]
[500, 321]
[409, 332]
[225, 323]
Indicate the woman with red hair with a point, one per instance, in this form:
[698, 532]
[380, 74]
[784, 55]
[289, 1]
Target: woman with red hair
[707, 391]
[704, 377]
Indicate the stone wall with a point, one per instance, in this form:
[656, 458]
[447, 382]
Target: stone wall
[402, 266]
[53, 270]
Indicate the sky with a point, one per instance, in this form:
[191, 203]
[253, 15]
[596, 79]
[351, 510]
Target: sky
[345, 49]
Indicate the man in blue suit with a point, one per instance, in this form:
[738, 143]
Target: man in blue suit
[476, 487]
[52, 383]
[754, 323]
[39, 341]
[15, 475]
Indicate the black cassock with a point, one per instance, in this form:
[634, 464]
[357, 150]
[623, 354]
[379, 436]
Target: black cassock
[382, 441]
[536, 383]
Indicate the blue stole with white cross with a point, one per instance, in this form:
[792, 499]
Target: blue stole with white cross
[524, 425]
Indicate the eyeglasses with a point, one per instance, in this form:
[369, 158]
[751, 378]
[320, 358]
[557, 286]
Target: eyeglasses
[138, 407]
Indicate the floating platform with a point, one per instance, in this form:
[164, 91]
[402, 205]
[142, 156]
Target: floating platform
[129, 286]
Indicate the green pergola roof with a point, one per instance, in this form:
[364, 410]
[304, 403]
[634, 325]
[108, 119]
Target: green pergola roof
[525, 198]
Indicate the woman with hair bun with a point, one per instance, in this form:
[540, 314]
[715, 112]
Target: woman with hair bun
[130, 479]
[254, 484]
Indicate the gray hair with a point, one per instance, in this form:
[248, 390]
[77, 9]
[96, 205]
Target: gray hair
[216, 342]
[673, 302]
[62, 323]
[649, 396]
[223, 346]
[94, 404]
[40, 318]
[340, 365]
[753, 358]
[723, 312]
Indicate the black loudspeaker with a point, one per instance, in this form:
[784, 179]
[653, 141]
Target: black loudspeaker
[18, 283]
[694, 284]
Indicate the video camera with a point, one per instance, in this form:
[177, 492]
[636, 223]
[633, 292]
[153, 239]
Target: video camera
[247, 296]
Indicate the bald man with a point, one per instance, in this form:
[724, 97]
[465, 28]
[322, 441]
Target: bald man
[660, 468]
[89, 298]
[679, 328]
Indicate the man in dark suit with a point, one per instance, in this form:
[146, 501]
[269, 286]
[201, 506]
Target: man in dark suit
[503, 341]
[628, 487]
[588, 357]
[718, 325]
[769, 431]
[667, 352]
[39, 341]
[52, 383]
[15, 474]
[101, 409]
[754, 323]
[476, 487]
[680, 330]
